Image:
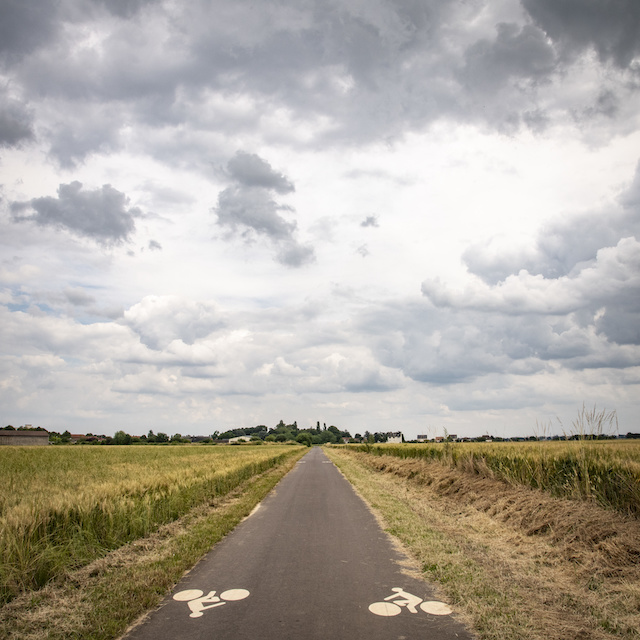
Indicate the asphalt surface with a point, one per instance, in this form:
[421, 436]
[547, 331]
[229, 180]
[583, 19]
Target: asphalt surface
[310, 563]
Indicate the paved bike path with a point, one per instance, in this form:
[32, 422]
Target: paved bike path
[306, 565]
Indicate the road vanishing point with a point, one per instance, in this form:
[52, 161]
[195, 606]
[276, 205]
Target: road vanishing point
[310, 563]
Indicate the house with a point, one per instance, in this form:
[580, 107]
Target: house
[422, 438]
[395, 437]
[23, 437]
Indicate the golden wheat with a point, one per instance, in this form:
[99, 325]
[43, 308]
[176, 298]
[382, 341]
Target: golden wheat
[61, 507]
[605, 471]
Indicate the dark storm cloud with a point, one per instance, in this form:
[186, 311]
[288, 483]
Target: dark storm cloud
[125, 8]
[248, 209]
[15, 123]
[102, 214]
[515, 53]
[370, 71]
[26, 25]
[611, 27]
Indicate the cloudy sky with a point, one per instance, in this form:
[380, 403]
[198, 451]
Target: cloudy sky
[380, 214]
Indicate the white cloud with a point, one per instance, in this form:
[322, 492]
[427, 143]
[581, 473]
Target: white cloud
[479, 155]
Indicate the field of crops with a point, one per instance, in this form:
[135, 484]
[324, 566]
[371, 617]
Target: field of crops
[61, 507]
[605, 471]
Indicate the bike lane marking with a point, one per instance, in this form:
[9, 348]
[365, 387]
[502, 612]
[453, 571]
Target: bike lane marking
[312, 547]
[393, 607]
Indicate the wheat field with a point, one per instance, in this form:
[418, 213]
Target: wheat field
[604, 471]
[61, 507]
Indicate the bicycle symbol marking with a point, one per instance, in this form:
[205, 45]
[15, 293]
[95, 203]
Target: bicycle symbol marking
[198, 602]
[393, 604]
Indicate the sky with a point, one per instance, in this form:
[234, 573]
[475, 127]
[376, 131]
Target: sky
[386, 215]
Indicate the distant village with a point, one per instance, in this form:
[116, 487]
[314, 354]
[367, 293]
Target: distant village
[282, 433]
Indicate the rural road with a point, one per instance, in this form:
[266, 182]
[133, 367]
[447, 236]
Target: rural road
[306, 565]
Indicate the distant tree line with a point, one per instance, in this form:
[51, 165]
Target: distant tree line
[25, 428]
[290, 433]
[280, 433]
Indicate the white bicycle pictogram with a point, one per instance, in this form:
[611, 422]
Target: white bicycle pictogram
[393, 605]
[198, 602]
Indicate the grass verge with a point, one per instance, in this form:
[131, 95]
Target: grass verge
[501, 557]
[99, 601]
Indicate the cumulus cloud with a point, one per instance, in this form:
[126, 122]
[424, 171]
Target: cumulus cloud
[248, 209]
[249, 170]
[370, 221]
[562, 244]
[519, 325]
[100, 214]
[159, 320]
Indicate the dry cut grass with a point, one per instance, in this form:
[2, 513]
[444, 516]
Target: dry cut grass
[515, 561]
[62, 507]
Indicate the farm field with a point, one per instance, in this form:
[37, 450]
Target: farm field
[604, 471]
[518, 558]
[63, 507]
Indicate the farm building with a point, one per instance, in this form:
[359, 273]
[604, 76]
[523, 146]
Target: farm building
[395, 437]
[23, 438]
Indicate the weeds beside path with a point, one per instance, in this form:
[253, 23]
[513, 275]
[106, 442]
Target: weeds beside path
[516, 562]
[100, 600]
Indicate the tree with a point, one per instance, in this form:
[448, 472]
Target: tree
[121, 438]
[162, 437]
[304, 437]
